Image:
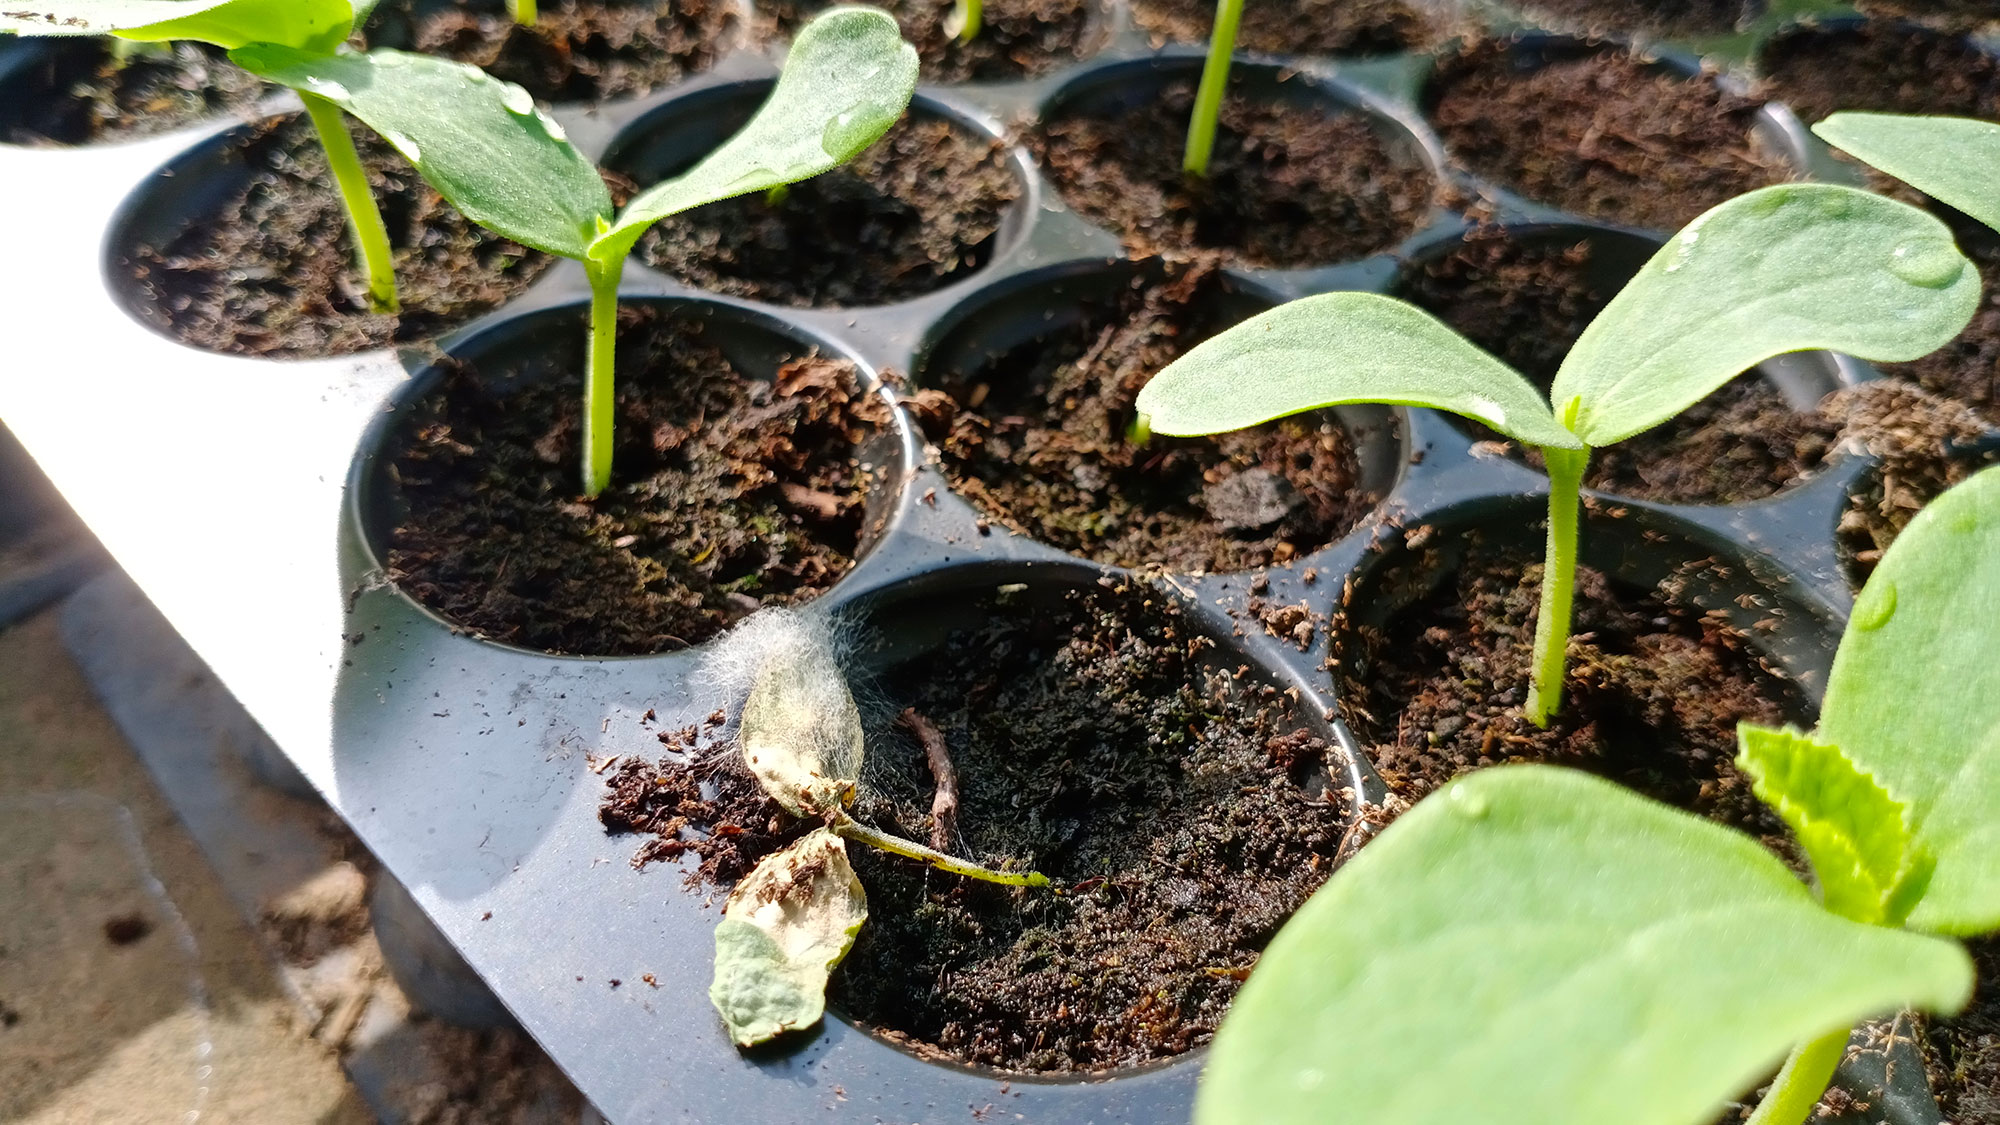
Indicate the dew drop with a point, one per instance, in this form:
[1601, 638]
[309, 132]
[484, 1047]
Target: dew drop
[326, 88]
[554, 130]
[517, 100]
[1466, 803]
[1876, 605]
[404, 145]
[1932, 264]
[844, 134]
[1311, 1078]
[389, 58]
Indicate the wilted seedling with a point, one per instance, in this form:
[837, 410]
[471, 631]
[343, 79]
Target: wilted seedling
[1955, 160]
[1535, 946]
[1214, 84]
[794, 917]
[1782, 269]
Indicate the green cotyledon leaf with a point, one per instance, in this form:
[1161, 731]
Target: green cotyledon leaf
[1870, 866]
[1535, 946]
[1955, 160]
[787, 924]
[315, 25]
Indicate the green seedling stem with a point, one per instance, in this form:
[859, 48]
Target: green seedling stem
[965, 20]
[364, 218]
[524, 11]
[1804, 1078]
[1552, 624]
[1214, 83]
[599, 395]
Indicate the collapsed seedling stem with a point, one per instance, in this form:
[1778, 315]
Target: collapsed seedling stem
[852, 829]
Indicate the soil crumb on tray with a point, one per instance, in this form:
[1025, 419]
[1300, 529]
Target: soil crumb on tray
[1883, 68]
[577, 50]
[1017, 38]
[1657, 17]
[1299, 27]
[79, 91]
[918, 210]
[1291, 183]
[1180, 820]
[1037, 438]
[1962, 1054]
[270, 271]
[1602, 135]
[726, 494]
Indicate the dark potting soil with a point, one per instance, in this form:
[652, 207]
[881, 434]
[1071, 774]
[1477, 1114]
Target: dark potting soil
[1656, 17]
[1602, 135]
[1037, 438]
[1291, 182]
[1962, 1055]
[1654, 692]
[271, 270]
[1017, 38]
[1882, 67]
[1178, 818]
[919, 209]
[1922, 444]
[577, 50]
[726, 494]
[78, 91]
[1299, 27]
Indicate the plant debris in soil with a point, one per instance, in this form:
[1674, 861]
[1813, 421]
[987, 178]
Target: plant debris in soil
[1880, 67]
[1922, 444]
[1358, 28]
[1017, 38]
[577, 50]
[1037, 438]
[1601, 135]
[1654, 692]
[78, 91]
[270, 270]
[1657, 17]
[916, 211]
[1962, 1054]
[1180, 819]
[1292, 182]
[726, 494]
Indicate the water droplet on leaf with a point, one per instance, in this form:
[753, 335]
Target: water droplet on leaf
[1875, 606]
[404, 145]
[1311, 1078]
[848, 133]
[1931, 264]
[326, 88]
[1466, 803]
[517, 100]
[554, 130]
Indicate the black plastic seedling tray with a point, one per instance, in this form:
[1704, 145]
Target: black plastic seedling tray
[250, 500]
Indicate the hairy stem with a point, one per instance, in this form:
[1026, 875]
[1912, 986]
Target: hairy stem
[1214, 83]
[524, 11]
[1558, 583]
[371, 238]
[860, 833]
[965, 19]
[599, 388]
[1796, 1089]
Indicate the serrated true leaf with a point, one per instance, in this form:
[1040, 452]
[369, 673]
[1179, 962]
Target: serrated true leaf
[848, 78]
[787, 924]
[1952, 159]
[481, 142]
[1339, 348]
[801, 732]
[1536, 946]
[1781, 269]
[317, 25]
[1856, 834]
[1914, 696]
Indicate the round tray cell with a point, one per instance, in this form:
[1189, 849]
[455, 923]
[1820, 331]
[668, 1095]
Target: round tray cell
[1303, 174]
[752, 467]
[241, 245]
[1017, 38]
[1302, 27]
[931, 203]
[577, 50]
[84, 91]
[1657, 18]
[1600, 132]
[1883, 66]
[1526, 293]
[1027, 394]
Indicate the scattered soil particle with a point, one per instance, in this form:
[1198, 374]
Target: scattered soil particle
[726, 493]
[126, 929]
[8, 1016]
[1923, 444]
[918, 210]
[78, 92]
[577, 51]
[1967, 370]
[1962, 1055]
[1180, 819]
[1654, 692]
[1300, 27]
[1601, 135]
[1037, 438]
[1017, 38]
[1664, 18]
[1292, 182]
[1883, 67]
[270, 271]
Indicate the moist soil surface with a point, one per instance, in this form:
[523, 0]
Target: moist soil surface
[77, 92]
[1037, 438]
[1652, 699]
[1299, 27]
[270, 270]
[726, 494]
[1882, 67]
[919, 209]
[577, 50]
[1527, 301]
[1922, 444]
[1017, 38]
[1962, 1055]
[1291, 182]
[1601, 135]
[1656, 17]
[1179, 822]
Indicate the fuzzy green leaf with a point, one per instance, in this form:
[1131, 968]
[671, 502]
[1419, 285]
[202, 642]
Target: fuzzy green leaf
[848, 78]
[1340, 348]
[1536, 946]
[1952, 159]
[317, 25]
[1914, 696]
[787, 924]
[1781, 269]
[1870, 867]
[479, 141]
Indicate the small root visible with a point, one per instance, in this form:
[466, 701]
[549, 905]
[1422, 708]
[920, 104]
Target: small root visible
[944, 806]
